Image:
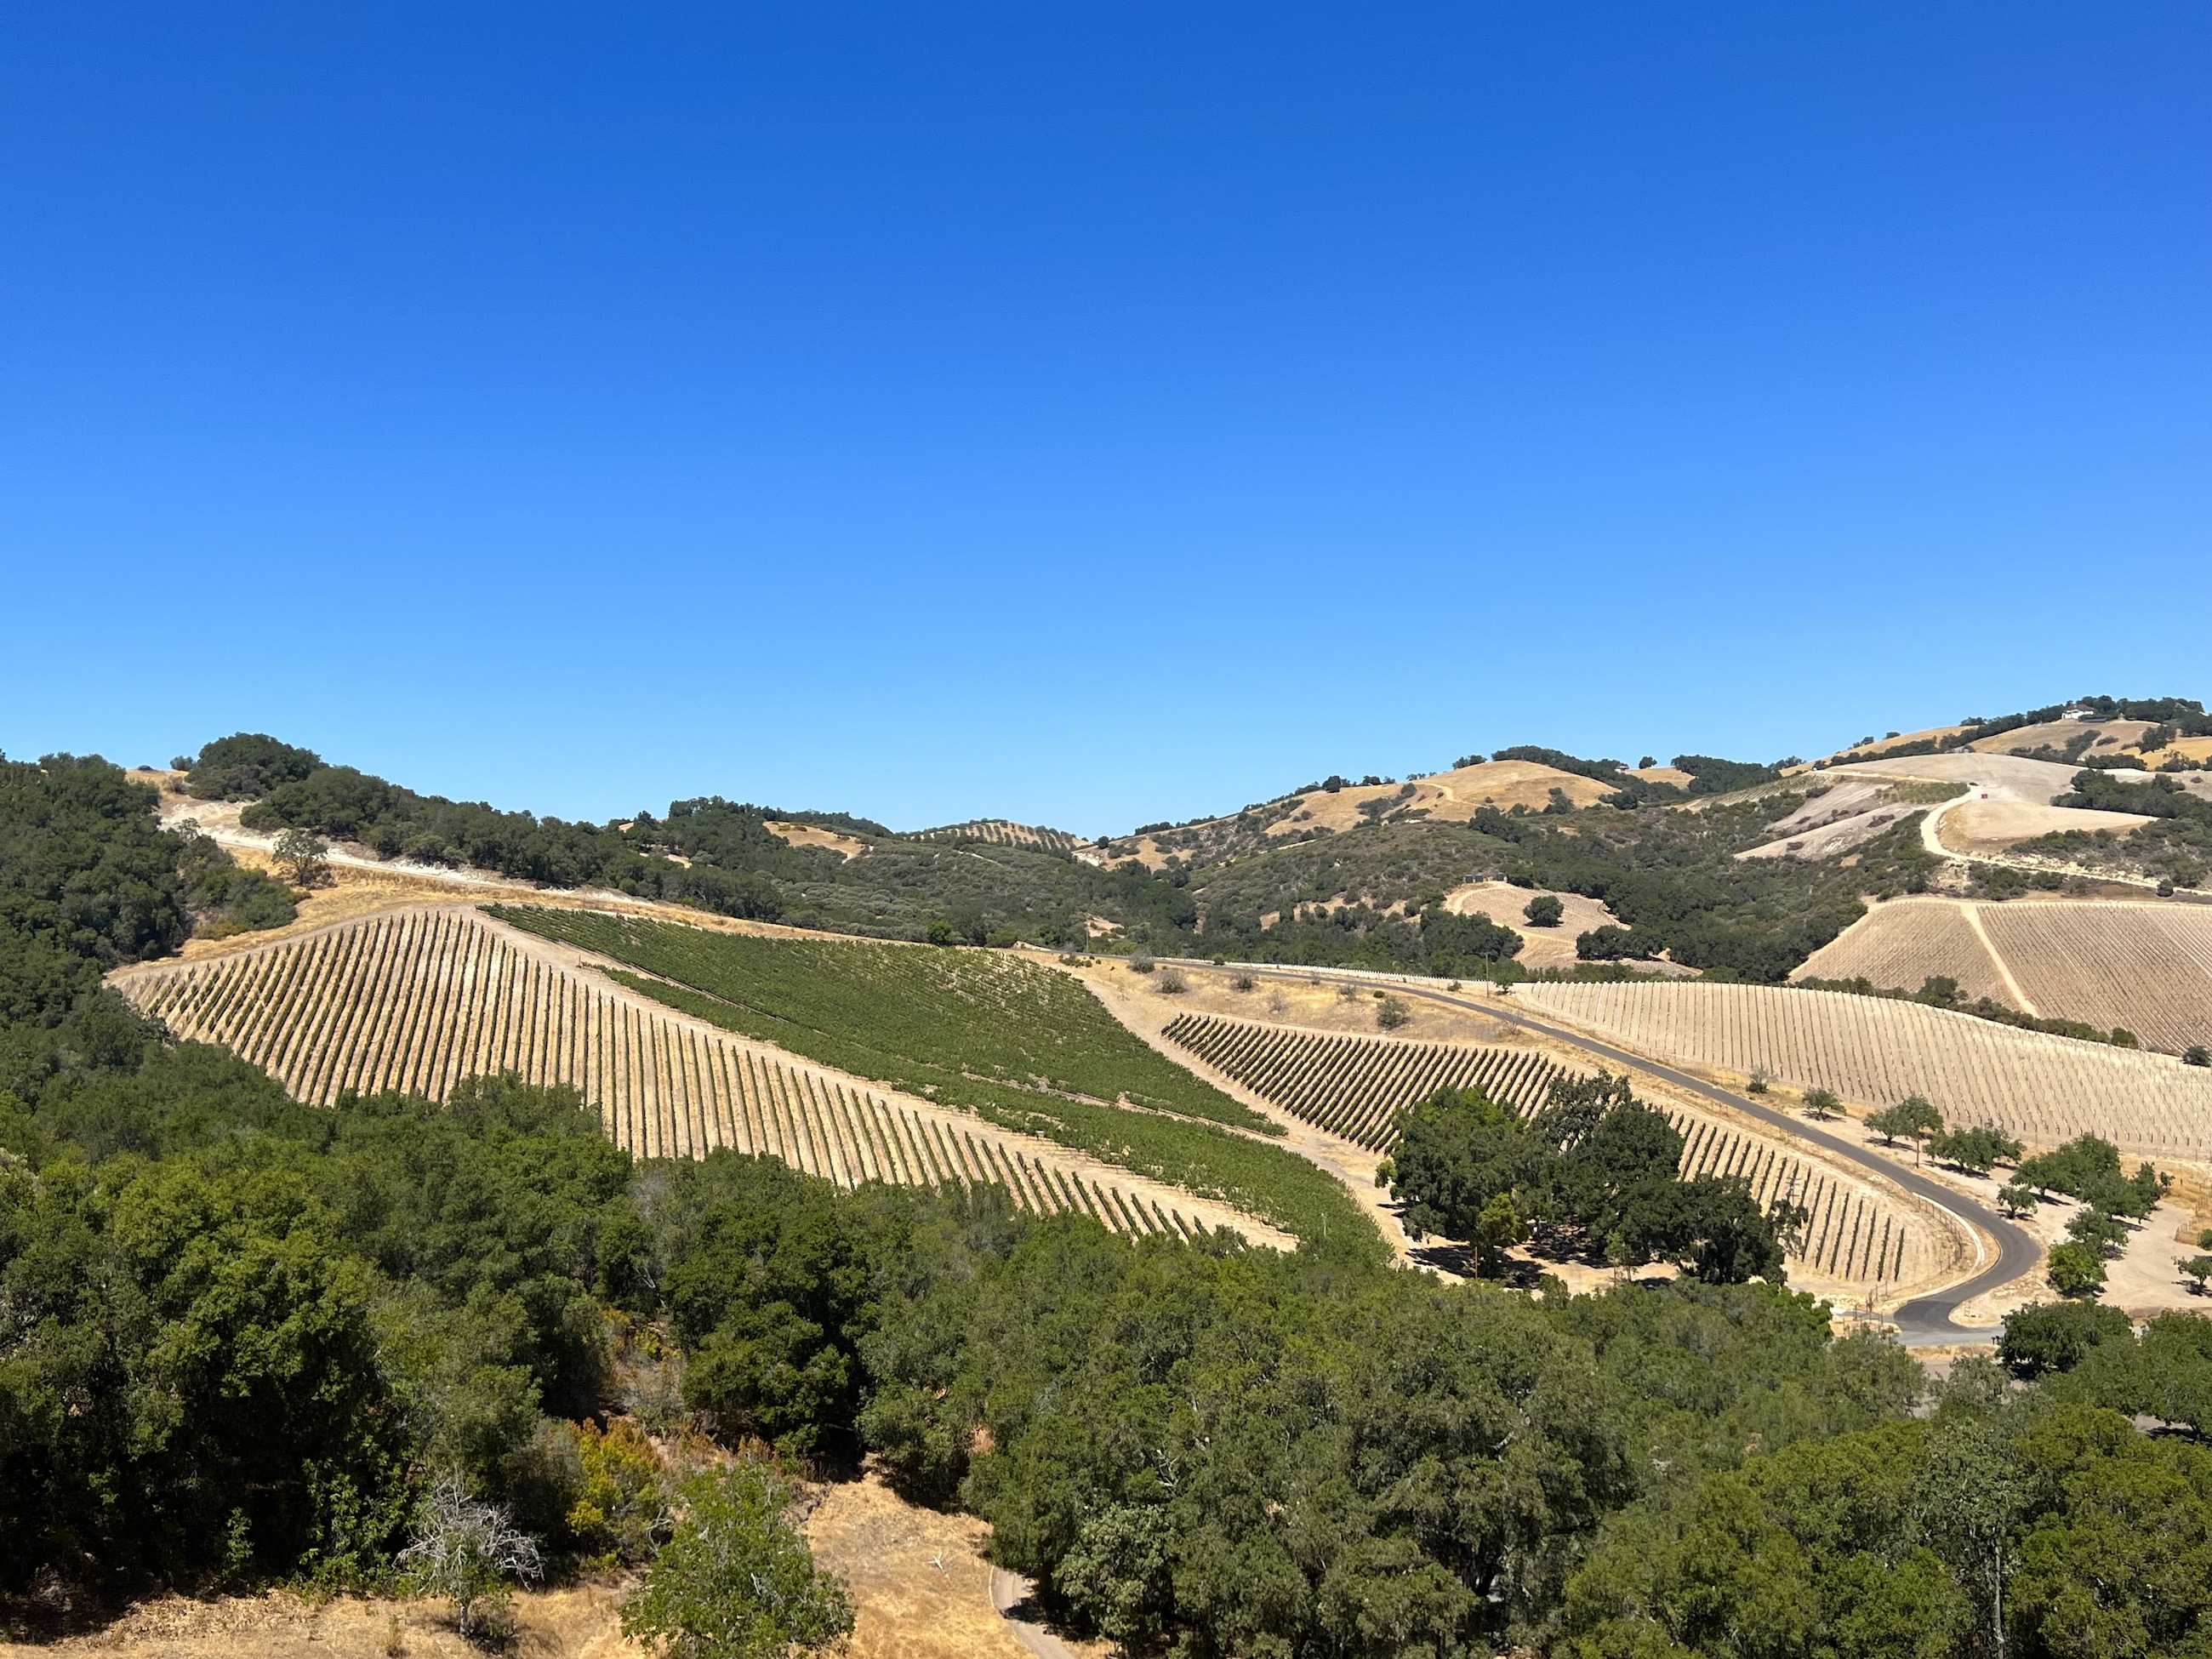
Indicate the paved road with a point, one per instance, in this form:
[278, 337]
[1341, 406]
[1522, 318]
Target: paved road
[1925, 1320]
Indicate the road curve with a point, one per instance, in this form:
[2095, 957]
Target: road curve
[1925, 1320]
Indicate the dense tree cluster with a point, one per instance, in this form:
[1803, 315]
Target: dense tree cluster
[1593, 1176]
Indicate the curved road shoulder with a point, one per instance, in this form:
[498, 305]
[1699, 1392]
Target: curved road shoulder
[1925, 1320]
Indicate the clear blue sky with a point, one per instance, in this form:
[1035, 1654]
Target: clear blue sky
[1090, 413]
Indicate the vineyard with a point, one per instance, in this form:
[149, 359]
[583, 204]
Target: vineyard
[1021, 1046]
[2144, 966]
[415, 1000]
[1000, 832]
[2045, 1090]
[1898, 945]
[1355, 1086]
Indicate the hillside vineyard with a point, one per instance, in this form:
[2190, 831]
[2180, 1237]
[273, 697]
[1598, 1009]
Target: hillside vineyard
[2044, 1090]
[2146, 966]
[418, 1000]
[1355, 1086]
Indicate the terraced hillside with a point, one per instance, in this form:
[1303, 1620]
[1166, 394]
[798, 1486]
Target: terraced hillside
[2044, 1090]
[418, 1000]
[2147, 966]
[1355, 1086]
[1002, 832]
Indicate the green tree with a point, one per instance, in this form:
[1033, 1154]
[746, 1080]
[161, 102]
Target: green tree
[736, 1580]
[1822, 1103]
[1544, 911]
[1911, 1119]
[303, 855]
[1977, 1150]
[2018, 1197]
[2196, 1270]
[2054, 1336]
[2104, 1233]
[2075, 1269]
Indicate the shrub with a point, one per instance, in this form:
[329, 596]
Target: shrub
[1242, 982]
[1142, 964]
[1392, 1012]
[2196, 1054]
[1172, 982]
[736, 1580]
[466, 1551]
[1544, 911]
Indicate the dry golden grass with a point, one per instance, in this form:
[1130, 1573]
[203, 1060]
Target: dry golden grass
[1673, 775]
[2190, 749]
[1541, 947]
[813, 835]
[920, 1584]
[2106, 736]
[1882, 746]
[1990, 826]
[579, 1622]
[921, 1588]
[1456, 795]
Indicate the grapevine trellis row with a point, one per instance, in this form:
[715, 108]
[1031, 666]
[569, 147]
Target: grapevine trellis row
[1355, 1086]
[418, 1000]
[2044, 1089]
[999, 832]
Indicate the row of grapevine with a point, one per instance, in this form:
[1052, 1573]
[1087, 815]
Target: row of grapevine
[2044, 1090]
[999, 832]
[1849, 1234]
[1355, 1086]
[2144, 966]
[416, 1001]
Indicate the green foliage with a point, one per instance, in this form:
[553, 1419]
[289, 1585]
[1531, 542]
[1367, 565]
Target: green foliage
[736, 1580]
[1545, 910]
[2075, 1269]
[1594, 1174]
[619, 1512]
[1822, 1104]
[1016, 1044]
[1911, 1119]
[247, 766]
[1977, 1149]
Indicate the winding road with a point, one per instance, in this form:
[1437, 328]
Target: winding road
[1926, 1321]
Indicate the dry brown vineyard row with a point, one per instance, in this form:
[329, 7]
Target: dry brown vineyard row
[1355, 1086]
[418, 1000]
[2146, 967]
[2136, 966]
[2045, 1090]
